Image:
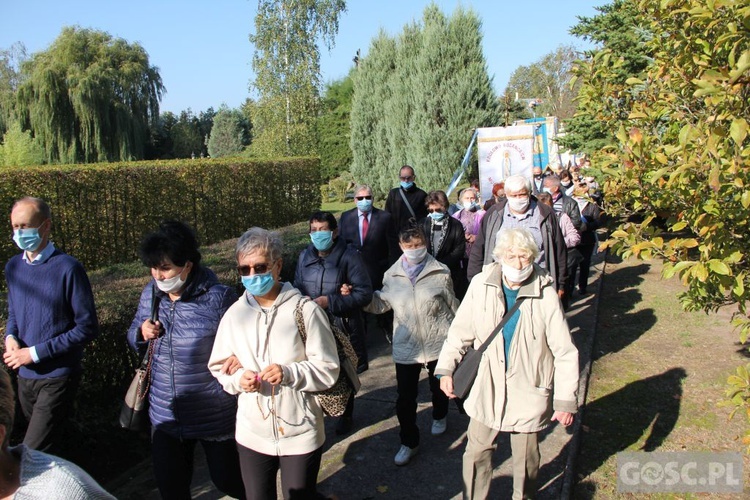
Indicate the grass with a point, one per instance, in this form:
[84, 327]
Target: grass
[657, 377]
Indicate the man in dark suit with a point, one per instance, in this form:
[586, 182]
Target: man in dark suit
[376, 242]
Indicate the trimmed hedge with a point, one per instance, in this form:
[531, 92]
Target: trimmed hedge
[100, 212]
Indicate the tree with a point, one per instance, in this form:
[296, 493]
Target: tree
[682, 154]
[334, 128]
[90, 97]
[19, 149]
[10, 78]
[620, 34]
[548, 79]
[418, 98]
[229, 135]
[188, 140]
[287, 69]
[512, 109]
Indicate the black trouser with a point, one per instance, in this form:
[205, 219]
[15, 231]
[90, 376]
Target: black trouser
[173, 465]
[407, 380]
[47, 404]
[586, 252]
[299, 474]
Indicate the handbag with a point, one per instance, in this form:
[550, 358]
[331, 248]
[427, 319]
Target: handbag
[333, 400]
[466, 371]
[134, 409]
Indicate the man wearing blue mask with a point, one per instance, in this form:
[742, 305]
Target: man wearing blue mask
[405, 203]
[323, 267]
[51, 316]
[368, 229]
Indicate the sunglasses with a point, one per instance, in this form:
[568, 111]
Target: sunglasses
[360, 198]
[432, 210]
[258, 268]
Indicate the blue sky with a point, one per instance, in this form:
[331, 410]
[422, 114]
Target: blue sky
[204, 56]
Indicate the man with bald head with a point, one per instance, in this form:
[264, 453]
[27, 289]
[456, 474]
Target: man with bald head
[51, 316]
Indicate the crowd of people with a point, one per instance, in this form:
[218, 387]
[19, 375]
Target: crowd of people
[238, 373]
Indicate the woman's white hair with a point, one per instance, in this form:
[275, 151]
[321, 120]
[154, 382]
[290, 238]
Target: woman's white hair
[519, 239]
[516, 183]
[259, 239]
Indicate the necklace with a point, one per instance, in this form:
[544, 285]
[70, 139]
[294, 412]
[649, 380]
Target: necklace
[271, 410]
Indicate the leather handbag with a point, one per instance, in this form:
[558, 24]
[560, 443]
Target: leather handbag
[134, 409]
[466, 371]
[333, 400]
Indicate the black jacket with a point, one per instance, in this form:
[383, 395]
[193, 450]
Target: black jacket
[451, 250]
[380, 247]
[555, 251]
[394, 205]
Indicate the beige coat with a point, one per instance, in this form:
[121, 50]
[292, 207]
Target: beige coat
[543, 362]
[285, 420]
[422, 312]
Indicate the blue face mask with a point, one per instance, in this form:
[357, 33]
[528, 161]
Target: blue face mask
[364, 205]
[258, 284]
[322, 240]
[437, 216]
[407, 185]
[27, 239]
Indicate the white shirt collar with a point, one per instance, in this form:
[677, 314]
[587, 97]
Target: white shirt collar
[42, 256]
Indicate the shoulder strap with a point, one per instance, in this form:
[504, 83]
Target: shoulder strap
[500, 325]
[406, 202]
[300, 319]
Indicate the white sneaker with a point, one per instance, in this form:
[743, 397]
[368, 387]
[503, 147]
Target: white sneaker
[439, 426]
[405, 455]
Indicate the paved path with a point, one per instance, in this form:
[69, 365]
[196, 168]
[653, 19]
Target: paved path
[360, 466]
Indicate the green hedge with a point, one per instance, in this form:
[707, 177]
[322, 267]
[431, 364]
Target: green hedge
[100, 212]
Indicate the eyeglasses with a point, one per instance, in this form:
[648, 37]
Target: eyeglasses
[257, 268]
[360, 198]
[407, 178]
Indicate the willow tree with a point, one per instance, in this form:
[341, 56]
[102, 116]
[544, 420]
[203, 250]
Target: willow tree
[90, 97]
[287, 69]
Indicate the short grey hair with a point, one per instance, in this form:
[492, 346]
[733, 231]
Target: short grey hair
[362, 187]
[259, 239]
[7, 406]
[552, 181]
[516, 183]
[465, 190]
[518, 238]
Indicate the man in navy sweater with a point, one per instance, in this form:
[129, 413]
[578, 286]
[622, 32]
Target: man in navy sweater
[51, 316]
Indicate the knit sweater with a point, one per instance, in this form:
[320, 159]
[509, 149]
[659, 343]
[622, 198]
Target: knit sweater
[52, 478]
[50, 307]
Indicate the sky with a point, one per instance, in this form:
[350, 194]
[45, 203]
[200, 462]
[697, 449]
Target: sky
[204, 56]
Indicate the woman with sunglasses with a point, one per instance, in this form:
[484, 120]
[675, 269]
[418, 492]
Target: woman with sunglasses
[279, 420]
[445, 239]
[187, 404]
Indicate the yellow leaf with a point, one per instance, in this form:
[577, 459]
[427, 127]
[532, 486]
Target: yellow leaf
[745, 199]
[738, 130]
[619, 234]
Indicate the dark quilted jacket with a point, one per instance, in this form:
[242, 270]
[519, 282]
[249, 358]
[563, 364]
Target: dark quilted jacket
[186, 401]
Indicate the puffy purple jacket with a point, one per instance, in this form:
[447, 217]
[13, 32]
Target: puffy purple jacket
[186, 401]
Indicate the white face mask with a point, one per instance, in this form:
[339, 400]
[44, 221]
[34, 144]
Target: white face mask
[416, 255]
[171, 285]
[513, 275]
[468, 205]
[518, 204]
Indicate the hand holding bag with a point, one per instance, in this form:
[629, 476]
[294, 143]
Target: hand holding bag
[134, 410]
[466, 371]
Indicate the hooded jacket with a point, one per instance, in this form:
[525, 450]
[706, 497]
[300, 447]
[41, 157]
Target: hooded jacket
[185, 399]
[422, 312]
[285, 419]
[542, 361]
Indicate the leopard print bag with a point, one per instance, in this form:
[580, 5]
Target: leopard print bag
[333, 400]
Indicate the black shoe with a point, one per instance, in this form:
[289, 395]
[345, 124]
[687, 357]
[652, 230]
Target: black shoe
[363, 367]
[344, 425]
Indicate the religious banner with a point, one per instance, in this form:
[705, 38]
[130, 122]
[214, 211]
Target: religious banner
[504, 151]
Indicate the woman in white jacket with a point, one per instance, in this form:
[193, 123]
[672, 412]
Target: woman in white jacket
[279, 420]
[419, 290]
[527, 377]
